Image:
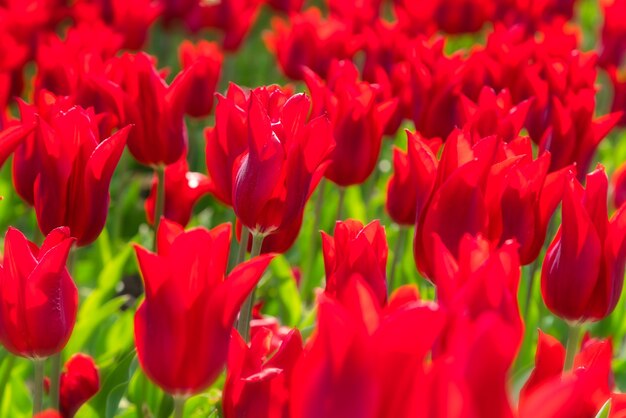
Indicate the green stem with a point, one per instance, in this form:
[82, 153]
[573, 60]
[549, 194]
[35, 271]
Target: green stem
[38, 389]
[398, 253]
[159, 206]
[573, 340]
[243, 246]
[243, 326]
[309, 262]
[179, 406]
[6, 374]
[342, 198]
[55, 375]
[532, 268]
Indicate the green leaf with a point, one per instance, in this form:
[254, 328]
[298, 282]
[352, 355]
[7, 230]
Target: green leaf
[113, 400]
[605, 410]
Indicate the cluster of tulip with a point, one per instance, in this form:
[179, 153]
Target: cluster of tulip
[500, 136]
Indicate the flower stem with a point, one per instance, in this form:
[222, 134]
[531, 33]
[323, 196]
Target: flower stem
[38, 389]
[398, 253]
[573, 340]
[243, 326]
[340, 204]
[532, 268]
[159, 206]
[179, 406]
[309, 262]
[6, 374]
[243, 246]
[55, 375]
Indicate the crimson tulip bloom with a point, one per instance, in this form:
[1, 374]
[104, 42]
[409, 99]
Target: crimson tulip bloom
[286, 6]
[583, 272]
[72, 185]
[207, 71]
[79, 382]
[182, 329]
[356, 250]
[257, 384]
[12, 137]
[357, 119]
[183, 189]
[38, 299]
[159, 136]
[613, 33]
[619, 186]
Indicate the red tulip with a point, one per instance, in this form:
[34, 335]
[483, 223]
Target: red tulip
[414, 175]
[358, 121]
[618, 80]
[183, 189]
[308, 40]
[38, 297]
[451, 16]
[49, 413]
[207, 71]
[613, 41]
[79, 382]
[619, 186]
[286, 6]
[583, 271]
[182, 329]
[358, 14]
[355, 250]
[72, 185]
[258, 381]
[13, 136]
[159, 136]
[278, 242]
[283, 163]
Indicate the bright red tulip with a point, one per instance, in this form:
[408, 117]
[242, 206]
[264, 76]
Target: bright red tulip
[48, 413]
[258, 379]
[159, 136]
[583, 271]
[358, 14]
[358, 121]
[414, 175]
[182, 329]
[613, 33]
[13, 137]
[72, 184]
[183, 189]
[79, 382]
[450, 16]
[38, 299]
[356, 250]
[619, 186]
[208, 59]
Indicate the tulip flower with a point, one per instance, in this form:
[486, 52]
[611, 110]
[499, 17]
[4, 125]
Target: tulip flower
[206, 74]
[72, 185]
[182, 190]
[279, 242]
[286, 6]
[79, 382]
[159, 136]
[357, 14]
[12, 137]
[583, 272]
[183, 327]
[613, 34]
[38, 297]
[257, 384]
[358, 121]
[48, 413]
[619, 186]
[450, 16]
[356, 250]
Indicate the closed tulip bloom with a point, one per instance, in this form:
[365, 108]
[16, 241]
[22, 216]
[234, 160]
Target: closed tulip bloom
[183, 327]
[79, 382]
[156, 109]
[38, 299]
[358, 121]
[358, 250]
[72, 186]
[583, 271]
[207, 71]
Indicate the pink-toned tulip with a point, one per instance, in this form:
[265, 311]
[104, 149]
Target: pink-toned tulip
[38, 299]
[183, 327]
[208, 66]
[583, 271]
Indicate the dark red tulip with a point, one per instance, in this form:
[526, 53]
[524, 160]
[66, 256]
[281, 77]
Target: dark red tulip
[258, 379]
[183, 189]
[207, 58]
[308, 40]
[357, 119]
[72, 185]
[182, 329]
[414, 175]
[159, 136]
[356, 250]
[284, 160]
[583, 272]
[286, 6]
[38, 298]
[79, 382]
[619, 186]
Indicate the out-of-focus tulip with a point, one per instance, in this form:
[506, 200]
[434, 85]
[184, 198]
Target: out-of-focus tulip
[358, 14]
[450, 16]
[356, 250]
[619, 186]
[183, 189]
[79, 382]
[159, 136]
[72, 184]
[414, 175]
[258, 380]
[208, 59]
[286, 6]
[182, 329]
[283, 162]
[583, 272]
[308, 40]
[358, 121]
[613, 33]
[38, 297]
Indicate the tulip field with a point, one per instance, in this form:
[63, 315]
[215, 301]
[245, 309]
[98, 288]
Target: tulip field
[312, 209]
